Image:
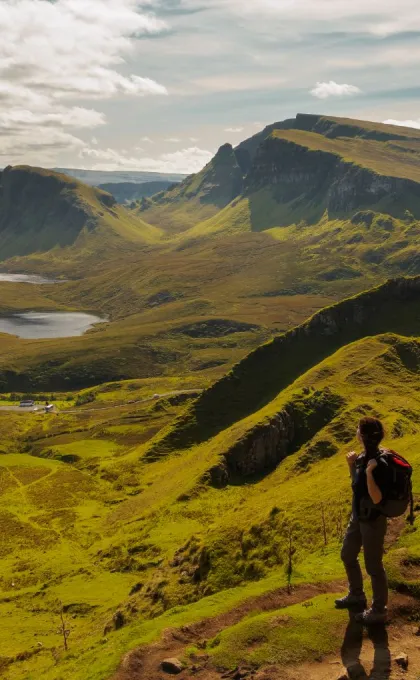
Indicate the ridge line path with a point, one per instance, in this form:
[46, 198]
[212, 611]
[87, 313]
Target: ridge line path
[155, 397]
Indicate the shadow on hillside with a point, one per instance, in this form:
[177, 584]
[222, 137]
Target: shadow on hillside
[352, 647]
[266, 212]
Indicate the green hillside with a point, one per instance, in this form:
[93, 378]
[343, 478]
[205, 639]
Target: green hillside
[130, 542]
[41, 210]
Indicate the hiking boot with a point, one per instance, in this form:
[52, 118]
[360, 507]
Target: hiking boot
[351, 601]
[371, 617]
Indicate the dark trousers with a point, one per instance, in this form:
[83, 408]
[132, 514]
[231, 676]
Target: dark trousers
[369, 535]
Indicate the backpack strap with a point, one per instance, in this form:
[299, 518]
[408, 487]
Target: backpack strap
[411, 517]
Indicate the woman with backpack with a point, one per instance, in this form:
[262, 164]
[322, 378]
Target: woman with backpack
[368, 525]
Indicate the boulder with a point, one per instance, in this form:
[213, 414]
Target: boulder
[172, 666]
[402, 661]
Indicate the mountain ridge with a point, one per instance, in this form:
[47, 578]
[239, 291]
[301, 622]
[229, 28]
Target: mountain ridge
[378, 163]
[253, 382]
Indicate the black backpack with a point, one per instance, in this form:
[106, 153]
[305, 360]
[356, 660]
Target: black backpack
[400, 495]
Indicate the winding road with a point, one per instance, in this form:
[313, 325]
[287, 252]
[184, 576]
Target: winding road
[39, 407]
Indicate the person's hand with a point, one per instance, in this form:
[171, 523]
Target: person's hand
[372, 465]
[351, 459]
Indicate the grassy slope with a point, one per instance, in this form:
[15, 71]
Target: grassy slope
[395, 158]
[93, 510]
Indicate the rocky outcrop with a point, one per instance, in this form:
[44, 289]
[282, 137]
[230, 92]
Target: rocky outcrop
[271, 441]
[217, 184]
[260, 451]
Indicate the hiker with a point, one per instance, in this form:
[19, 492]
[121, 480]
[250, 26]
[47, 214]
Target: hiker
[368, 525]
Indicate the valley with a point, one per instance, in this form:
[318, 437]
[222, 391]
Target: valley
[189, 494]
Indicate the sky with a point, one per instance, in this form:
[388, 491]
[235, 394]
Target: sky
[161, 84]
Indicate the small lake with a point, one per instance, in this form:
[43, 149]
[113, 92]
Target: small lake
[25, 278]
[32, 325]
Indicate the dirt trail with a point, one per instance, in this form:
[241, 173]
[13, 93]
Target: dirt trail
[143, 663]
[377, 652]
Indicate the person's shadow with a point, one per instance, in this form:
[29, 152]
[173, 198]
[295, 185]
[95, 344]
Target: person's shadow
[352, 647]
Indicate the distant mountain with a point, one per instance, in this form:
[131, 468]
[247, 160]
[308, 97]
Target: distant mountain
[41, 210]
[97, 177]
[125, 192]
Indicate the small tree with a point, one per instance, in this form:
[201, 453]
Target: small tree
[324, 524]
[339, 524]
[63, 630]
[291, 551]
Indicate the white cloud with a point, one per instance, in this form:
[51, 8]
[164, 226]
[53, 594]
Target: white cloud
[185, 161]
[404, 123]
[379, 17]
[54, 52]
[37, 149]
[173, 140]
[75, 117]
[333, 89]
[194, 139]
[234, 129]
[147, 140]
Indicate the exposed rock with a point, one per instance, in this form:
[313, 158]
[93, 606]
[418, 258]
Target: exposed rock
[270, 442]
[118, 621]
[136, 588]
[263, 449]
[219, 475]
[402, 660]
[172, 666]
[417, 631]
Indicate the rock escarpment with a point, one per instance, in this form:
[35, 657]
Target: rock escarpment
[271, 441]
[326, 181]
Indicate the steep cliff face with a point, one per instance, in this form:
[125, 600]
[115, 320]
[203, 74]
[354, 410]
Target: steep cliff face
[327, 180]
[218, 183]
[40, 209]
[199, 196]
[257, 380]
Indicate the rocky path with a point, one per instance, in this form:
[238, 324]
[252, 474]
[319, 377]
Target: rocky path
[366, 656]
